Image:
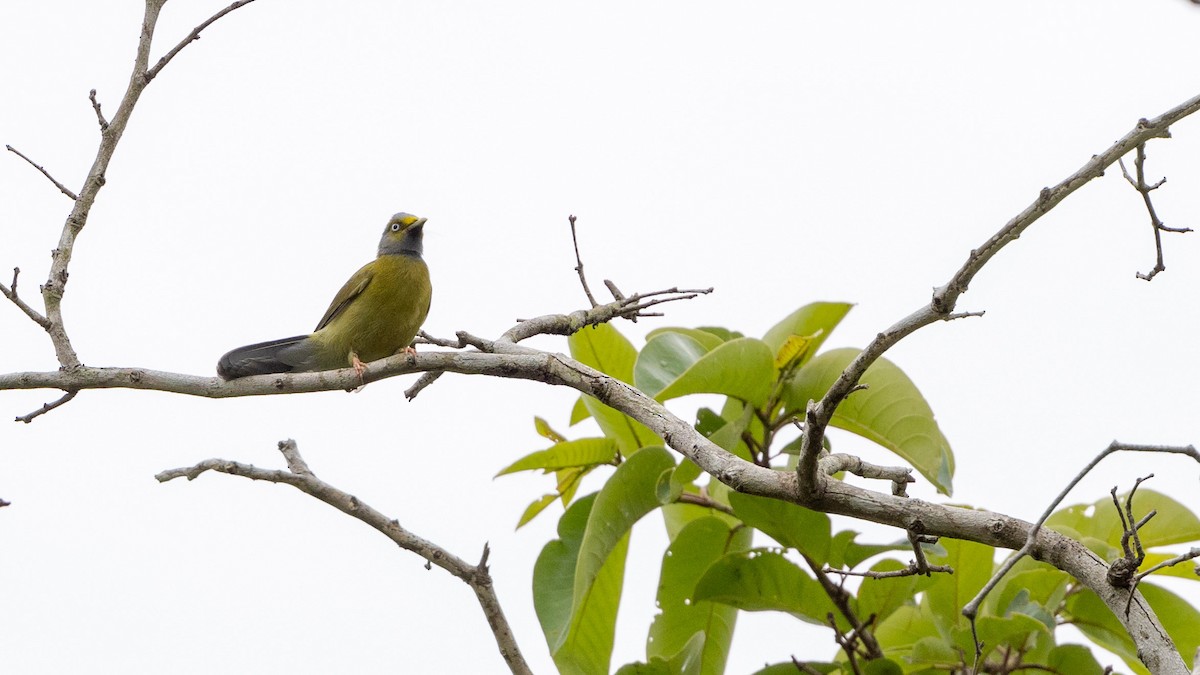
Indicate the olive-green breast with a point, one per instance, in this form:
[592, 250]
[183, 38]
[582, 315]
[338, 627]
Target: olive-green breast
[380, 319]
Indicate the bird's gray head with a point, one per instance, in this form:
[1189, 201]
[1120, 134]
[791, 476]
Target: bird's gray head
[402, 236]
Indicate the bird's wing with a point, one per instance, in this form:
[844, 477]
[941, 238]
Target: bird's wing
[350, 290]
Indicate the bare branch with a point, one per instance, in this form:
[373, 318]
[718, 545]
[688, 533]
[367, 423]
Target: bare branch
[1155, 224]
[945, 298]
[579, 264]
[300, 477]
[46, 407]
[61, 188]
[191, 37]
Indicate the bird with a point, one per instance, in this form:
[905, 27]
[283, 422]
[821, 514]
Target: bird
[377, 313]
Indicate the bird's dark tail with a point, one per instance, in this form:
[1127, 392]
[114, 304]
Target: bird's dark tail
[257, 359]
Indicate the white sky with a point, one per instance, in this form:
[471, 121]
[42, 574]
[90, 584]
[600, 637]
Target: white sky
[781, 152]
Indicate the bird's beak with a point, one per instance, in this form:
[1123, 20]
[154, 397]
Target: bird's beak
[420, 222]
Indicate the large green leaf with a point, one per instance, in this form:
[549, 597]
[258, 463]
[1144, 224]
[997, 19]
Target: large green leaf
[710, 340]
[817, 319]
[604, 348]
[673, 365]
[580, 452]
[904, 628]
[698, 545]
[789, 524]
[1087, 612]
[580, 639]
[665, 358]
[1036, 591]
[890, 412]
[627, 496]
[972, 564]
[844, 551]
[761, 580]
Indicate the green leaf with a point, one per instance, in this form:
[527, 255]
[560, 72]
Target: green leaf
[817, 319]
[554, 572]
[602, 347]
[794, 352]
[664, 359]
[1035, 592]
[973, 564]
[544, 430]
[536, 508]
[698, 545]
[724, 334]
[674, 365]
[890, 412]
[654, 667]
[935, 650]
[789, 668]
[704, 337]
[1096, 621]
[882, 597]
[627, 496]
[1012, 631]
[568, 481]
[568, 454]
[882, 667]
[764, 580]
[789, 524]
[908, 625]
[1174, 524]
[580, 638]
[844, 551]
[1178, 616]
[1074, 659]
[579, 411]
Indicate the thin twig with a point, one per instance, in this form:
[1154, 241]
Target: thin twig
[579, 263]
[46, 407]
[96, 106]
[1192, 554]
[61, 188]
[301, 477]
[1156, 224]
[11, 294]
[191, 37]
[910, 571]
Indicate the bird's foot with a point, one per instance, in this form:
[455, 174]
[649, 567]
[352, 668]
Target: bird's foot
[359, 368]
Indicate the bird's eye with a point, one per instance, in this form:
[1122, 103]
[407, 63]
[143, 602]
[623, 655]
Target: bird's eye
[395, 227]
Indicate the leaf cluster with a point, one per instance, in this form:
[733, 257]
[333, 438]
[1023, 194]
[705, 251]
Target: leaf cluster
[896, 621]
